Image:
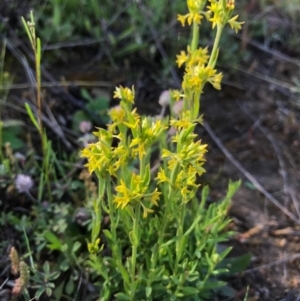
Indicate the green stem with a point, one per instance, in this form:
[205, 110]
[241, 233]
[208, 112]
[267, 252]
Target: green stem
[165, 220]
[112, 211]
[179, 236]
[143, 165]
[195, 38]
[214, 54]
[134, 250]
[113, 216]
[196, 105]
[1, 143]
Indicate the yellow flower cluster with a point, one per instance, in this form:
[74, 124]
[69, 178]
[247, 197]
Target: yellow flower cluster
[195, 12]
[222, 14]
[133, 137]
[136, 192]
[197, 72]
[186, 162]
[199, 64]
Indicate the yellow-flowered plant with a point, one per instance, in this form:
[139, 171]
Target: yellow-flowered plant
[162, 236]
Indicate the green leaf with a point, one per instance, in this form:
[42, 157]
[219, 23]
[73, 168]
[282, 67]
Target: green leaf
[133, 238]
[46, 267]
[78, 117]
[108, 234]
[147, 176]
[59, 290]
[219, 272]
[204, 195]
[210, 285]
[48, 291]
[227, 291]
[15, 142]
[130, 49]
[122, 296]
[39, 293]
[32, 117]
[191, 228]
[232, 188]
[99, 105]
[189, 290]
[54, 275]
[236, 264]
[126, 33]
[148, 291]
[86, 95]
[76, 246]
[249, 185]
[55, 243]
[70, 287]
[65, 265]
[13, 123]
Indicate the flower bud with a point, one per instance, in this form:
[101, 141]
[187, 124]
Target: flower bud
[164, 98]
[23, 183]
[14, 259]
[177, 107]
[85, 126]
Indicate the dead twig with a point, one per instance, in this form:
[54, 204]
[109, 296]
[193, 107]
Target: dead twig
[59, 84]
[286, 187]
[271, 264]
[276, 54]
[249, 176]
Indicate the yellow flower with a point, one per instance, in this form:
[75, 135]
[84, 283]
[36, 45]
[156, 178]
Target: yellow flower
[131, 125]
[146, 211]
[93, 248]
[190, 18]
[176, 95]
[182, 19]
[125, 94]
[230, 4]
[154, 197]
[200, 56]
[121, 201]
[117, 113]
[216, 81]
[234, 24]
[195, 82]
[140, 150]
[161, 177]
[181, 58]
[216, 19]
[194, 5]
[194, 17]
[180, 123]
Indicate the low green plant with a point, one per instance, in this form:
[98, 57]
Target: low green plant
[162, 236]
[120, 30]
[99, 105]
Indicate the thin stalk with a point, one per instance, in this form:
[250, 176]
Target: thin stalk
[134, 251]
[2, 95]
[112, 210]
[165, 219]
[38, 81]
[1, 142]
[142, 165]
[196, 104]
[113, 227]
[195, 37]
[97, 207]
[179, 236]
[214, 54]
